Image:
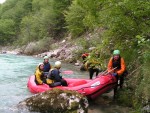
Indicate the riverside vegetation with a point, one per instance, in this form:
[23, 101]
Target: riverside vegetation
[106, 25]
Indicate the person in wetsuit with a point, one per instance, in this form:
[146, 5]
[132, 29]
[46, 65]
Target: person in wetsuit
[117, 67]
[54, 74]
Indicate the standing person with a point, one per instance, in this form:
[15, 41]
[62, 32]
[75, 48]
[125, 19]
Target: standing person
[84, 56]
[54, 74]
[39, 75]
[91, 66]
[84, 59]
[117, 67]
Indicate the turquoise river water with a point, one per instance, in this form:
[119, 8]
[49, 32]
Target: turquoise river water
[14, 73]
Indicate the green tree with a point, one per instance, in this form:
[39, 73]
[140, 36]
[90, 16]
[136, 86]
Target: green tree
[57, 25]
[14, 10]
[82, 16]
[7, 31]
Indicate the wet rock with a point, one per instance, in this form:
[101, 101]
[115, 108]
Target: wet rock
[63, 41]
[4, 52]
[77, 64]
[83, 68]
[55, 101]
[52, 55]
[15, 52]
[64, 52]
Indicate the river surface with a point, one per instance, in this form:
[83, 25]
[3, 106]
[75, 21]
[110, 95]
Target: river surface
[14, 73]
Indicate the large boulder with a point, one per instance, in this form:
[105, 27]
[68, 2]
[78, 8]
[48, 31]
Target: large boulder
[55, 101]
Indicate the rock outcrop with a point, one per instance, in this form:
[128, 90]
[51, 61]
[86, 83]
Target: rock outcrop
[55, 101]
[64, 52]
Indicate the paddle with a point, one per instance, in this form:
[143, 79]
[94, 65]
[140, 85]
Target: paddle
[110, 71]
[102, 73]
[106, 72]
[67, 72]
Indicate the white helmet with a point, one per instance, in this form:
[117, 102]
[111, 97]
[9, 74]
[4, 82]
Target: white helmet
[40, 64]
[58, 64]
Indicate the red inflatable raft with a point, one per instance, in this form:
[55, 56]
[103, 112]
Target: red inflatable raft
[89, 88]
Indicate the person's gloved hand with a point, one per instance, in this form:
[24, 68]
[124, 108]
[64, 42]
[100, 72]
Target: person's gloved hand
[114, 74]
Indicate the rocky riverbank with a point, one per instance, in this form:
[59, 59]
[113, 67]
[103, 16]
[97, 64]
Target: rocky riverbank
[102, 104]
[64, 51]
[10, 50]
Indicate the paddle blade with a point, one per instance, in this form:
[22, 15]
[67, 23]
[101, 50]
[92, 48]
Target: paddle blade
[67, 72]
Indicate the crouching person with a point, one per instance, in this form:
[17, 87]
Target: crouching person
[54, 75]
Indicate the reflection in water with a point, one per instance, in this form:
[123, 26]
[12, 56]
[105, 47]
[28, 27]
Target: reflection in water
[14, 74]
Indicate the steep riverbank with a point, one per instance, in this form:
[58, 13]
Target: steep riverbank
[64, 51]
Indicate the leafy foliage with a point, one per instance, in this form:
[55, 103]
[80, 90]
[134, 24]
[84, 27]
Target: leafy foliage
[35, 19]
[104, 24]
[7, 31]
[82, 15]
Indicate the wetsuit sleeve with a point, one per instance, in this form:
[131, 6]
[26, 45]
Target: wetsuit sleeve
[109, 67]
[38, 77]
[123, 67]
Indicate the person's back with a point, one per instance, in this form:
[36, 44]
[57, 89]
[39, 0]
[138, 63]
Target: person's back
[54, 74]
[92, 66]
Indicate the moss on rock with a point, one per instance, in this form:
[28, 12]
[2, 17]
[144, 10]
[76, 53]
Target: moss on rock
[56, 101]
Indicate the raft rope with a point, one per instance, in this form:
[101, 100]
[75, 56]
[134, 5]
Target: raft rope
[96, 85]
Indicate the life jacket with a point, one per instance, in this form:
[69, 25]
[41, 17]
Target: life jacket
[50, 76]
[85, 54]
[47, 67]
[39, 76]
[116, 63]
[92, 63]
[117, 66]
[54, 74]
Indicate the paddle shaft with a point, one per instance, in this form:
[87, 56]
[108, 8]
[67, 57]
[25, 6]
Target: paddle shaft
[106, 72]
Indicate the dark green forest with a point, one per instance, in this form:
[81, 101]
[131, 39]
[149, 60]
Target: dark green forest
[112, 24]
